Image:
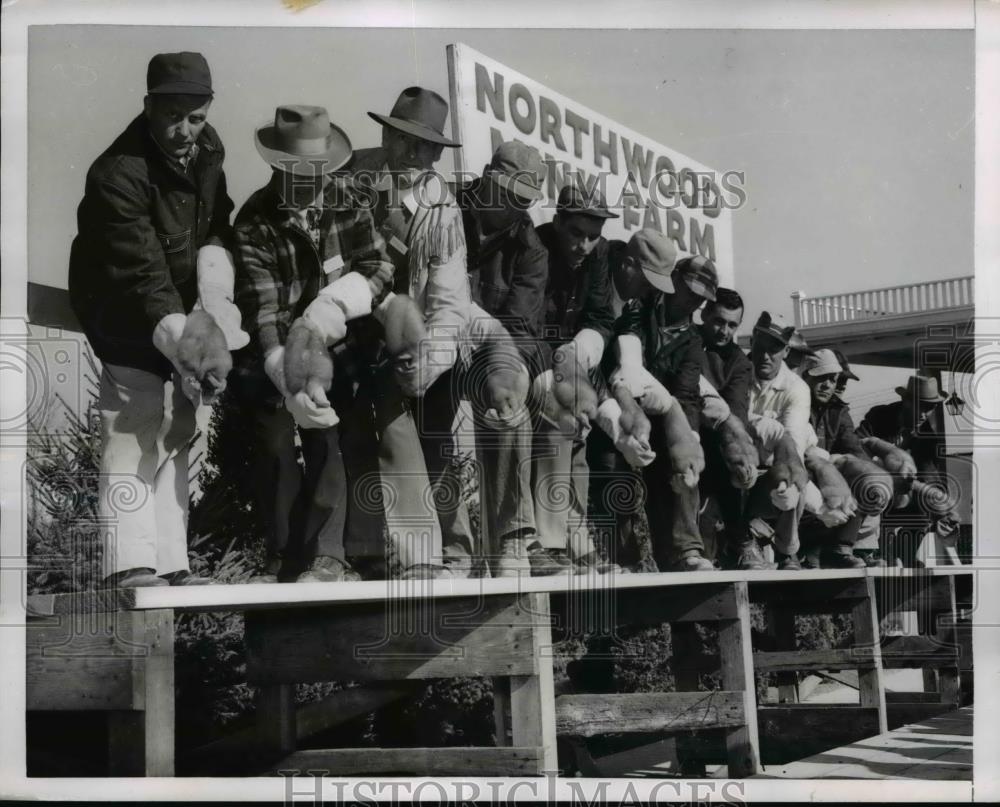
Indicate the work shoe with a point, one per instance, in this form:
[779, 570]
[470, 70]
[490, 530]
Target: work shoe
[426, 571]
[370, 568]
[270, 573]
[842, 557]
[513, 560]
[548, 562]
[809, 559]
[788, 563]
[325, 569]
[593, 563]
[692, 561]
[749, 557]
[183, 577]
[140, 577]
[870, 557]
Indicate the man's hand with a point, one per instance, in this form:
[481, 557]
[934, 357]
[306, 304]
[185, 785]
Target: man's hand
[308, 366]
[871, 484]
[196, 348]
[787, 477]
[686, 456]
[838, 505]
[309, 414]
[738, 452]
[629, 429]
[505, 385]
[571, 387]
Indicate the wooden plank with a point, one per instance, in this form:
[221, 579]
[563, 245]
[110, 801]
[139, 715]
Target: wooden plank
[687, 663]
[789, 660]
[276, 720]
[902, 714]
[917, 651]
[735, 655]
[810, 596]
[257, 596]
[85, 662]
[917, 593]
[86, 602]
[589, 715]
[391, 640]
[532, 697]
[871, 688]
[708, 602]
[910, 697]
[447, 762]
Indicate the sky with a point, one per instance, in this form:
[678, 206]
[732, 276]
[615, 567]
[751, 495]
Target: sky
[857, 145]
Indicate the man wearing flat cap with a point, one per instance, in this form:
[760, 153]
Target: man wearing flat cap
[660, 356]
[579, 324]
[151, 282]
[310, 262]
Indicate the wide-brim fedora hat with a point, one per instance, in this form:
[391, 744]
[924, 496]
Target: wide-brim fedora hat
[922, 388]
[420, 113]
[302, 141]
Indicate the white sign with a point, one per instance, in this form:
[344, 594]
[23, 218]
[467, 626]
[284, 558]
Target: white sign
[645, 182]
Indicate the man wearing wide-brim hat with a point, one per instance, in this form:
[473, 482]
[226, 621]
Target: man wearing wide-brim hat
[422, 227]
[150, 275]
[310, 260]
[915, 423]
[659, 347]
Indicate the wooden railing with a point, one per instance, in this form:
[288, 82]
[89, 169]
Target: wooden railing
[912, 298]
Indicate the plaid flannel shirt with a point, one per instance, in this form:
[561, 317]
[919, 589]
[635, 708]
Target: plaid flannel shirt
[280, 270]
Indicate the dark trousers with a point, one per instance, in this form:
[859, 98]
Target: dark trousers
[303, 507]
[813, 534]
[503, 459]
[672, 516]
[723, 501]
[617, 494]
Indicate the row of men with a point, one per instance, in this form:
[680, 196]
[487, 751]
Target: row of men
[356, 300]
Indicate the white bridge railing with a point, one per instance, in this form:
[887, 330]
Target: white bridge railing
[913, 298]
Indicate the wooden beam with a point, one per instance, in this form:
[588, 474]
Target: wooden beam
[49, 306]
[735, 655]
[276, 730]
[158, 693]
[393, 640]
[917, 651]
[446, 762]
[781, 630]
[590, 715]
[802, 660]
[789, 733]
[86, 602]
[86, 662]
[811, 596]
[909, 697]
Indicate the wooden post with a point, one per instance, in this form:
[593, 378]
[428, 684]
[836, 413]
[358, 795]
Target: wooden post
[781, 628]
[870, 684]
[276, 729]
[532, 697]
[736, 661]
[949, 684]
[141, 740]
[501, 710]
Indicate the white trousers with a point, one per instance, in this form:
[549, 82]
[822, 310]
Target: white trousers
[146, 428]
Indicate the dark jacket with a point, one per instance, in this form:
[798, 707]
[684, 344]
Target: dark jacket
[730, 372]
[279, 270]
[140, 225]
[835, 429]
[925, 443]
[508, 273]
[674, 356]
[576, 298]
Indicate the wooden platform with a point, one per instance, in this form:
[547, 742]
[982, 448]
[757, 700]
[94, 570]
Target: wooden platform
[939, 748]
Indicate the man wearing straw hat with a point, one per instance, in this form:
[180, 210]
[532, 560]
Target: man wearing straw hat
[150, 270]
[310, 260]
